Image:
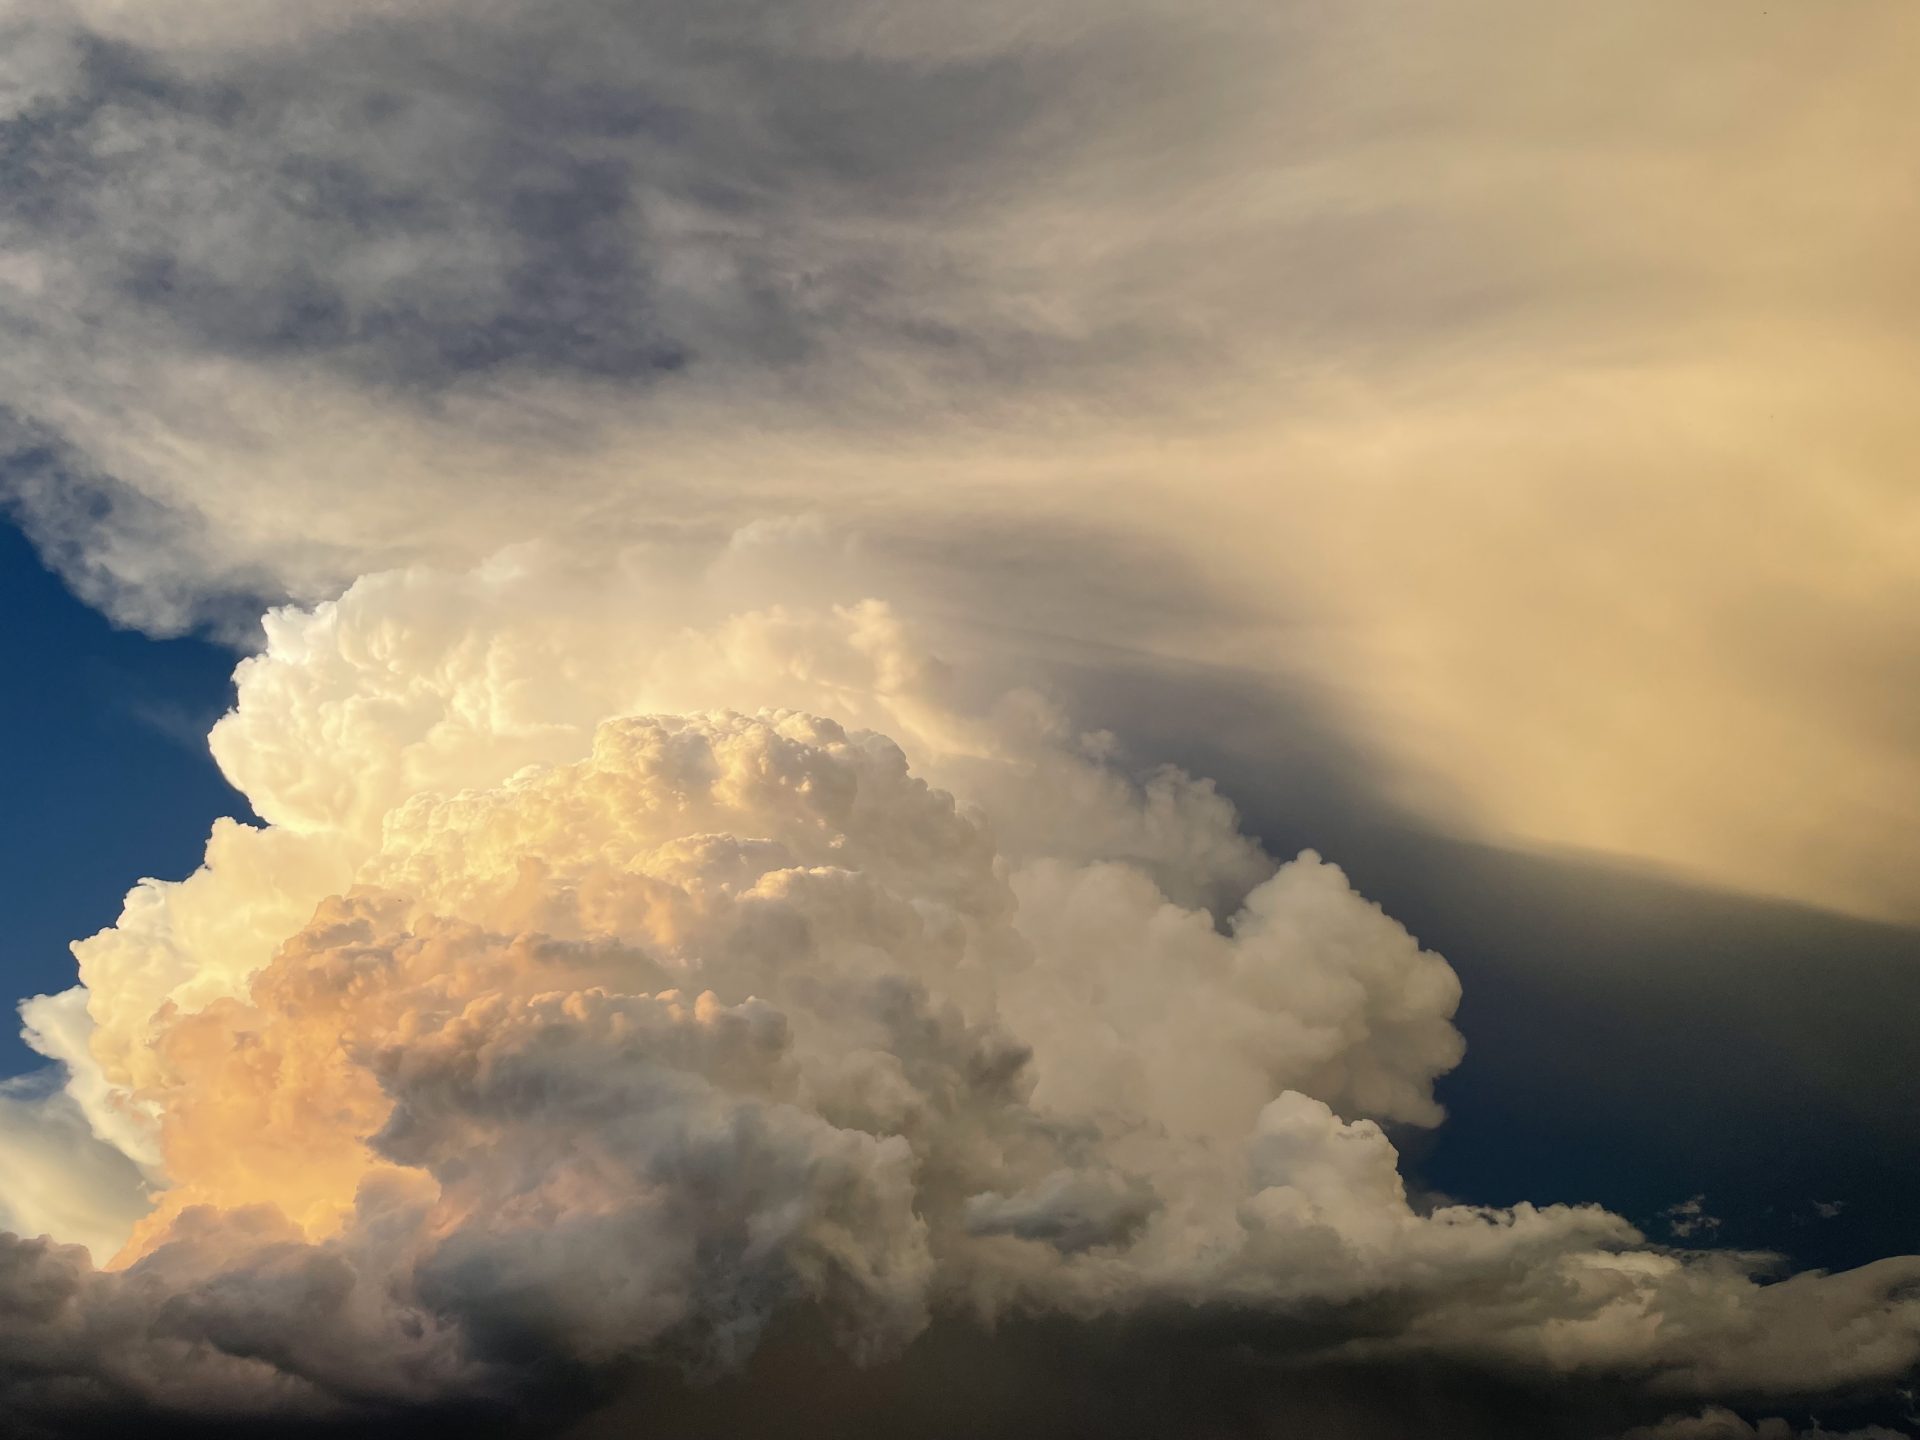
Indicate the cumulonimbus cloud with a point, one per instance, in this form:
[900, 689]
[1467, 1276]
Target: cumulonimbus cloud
[650, 938]
[544, 1025]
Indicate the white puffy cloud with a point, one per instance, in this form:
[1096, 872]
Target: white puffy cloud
[538, 1029]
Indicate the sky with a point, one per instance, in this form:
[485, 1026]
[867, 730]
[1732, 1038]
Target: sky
[1042, 719]
[111, 777]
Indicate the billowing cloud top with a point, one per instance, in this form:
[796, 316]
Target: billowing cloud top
[525, 1037]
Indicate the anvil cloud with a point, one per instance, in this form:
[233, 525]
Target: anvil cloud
[1480, 361]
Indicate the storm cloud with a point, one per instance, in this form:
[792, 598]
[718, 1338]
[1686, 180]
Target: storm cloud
[479, 1063]
[712, 497]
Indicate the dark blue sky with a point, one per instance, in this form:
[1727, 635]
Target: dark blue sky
[108, 778]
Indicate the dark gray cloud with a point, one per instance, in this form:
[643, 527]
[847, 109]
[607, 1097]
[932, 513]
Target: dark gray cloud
[1202, 1374]
[611, 191]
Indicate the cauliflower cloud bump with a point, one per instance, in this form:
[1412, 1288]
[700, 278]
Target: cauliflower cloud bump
[525, 1042]
[625, 1056]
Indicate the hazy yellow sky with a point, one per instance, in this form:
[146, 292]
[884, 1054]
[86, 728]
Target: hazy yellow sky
[1534, 382]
